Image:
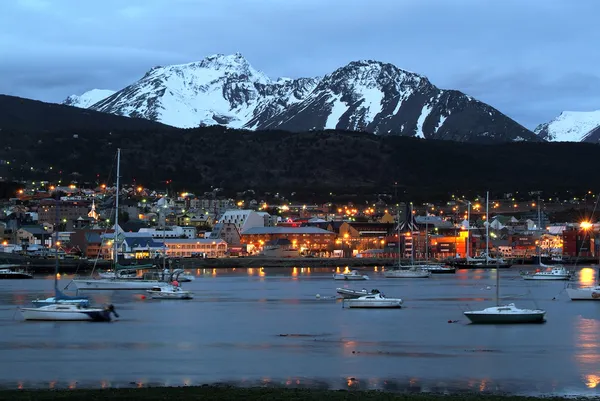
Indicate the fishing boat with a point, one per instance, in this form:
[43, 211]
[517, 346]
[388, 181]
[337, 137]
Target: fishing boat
[348, 293]
[7, 273]
[553, 273]
[118, 282]
[373, 301]
[508, 314]
[353, 275]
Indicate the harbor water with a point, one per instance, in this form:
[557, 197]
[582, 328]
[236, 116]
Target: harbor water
[284, 327]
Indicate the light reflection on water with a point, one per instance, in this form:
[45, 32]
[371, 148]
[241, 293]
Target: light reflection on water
[587, 276]
[265, 327]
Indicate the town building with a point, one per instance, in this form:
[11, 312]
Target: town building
[185, 248]
[305, 239]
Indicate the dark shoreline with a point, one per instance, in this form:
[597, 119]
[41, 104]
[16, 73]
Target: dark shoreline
[256, 393]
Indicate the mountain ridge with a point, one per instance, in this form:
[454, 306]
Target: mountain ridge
[364, 95]
[570, 126]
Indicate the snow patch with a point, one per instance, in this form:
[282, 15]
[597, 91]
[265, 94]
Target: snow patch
[424, 114]
[338, 108]
[88, 98]
[440, 123]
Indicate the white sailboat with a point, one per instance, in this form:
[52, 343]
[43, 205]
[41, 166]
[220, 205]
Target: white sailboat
[406, 271]
[503, 313]
[64, 308]
[117, 282]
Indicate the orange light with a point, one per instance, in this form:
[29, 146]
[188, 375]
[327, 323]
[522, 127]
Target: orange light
[140, 189]
[103, 186]
[586, 225]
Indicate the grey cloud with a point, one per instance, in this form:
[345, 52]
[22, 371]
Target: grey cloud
[530, 59]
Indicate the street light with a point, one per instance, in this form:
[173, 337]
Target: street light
[468, 226]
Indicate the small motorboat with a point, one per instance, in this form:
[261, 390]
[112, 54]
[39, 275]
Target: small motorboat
[506, 314]
[552, 273]
[407, 272]
[124, 274]
[353, 275]
[82, 301]
[348, 293]
[170, 291]
[373, 301]
[584, 294]
[69, 312]
[7, 273]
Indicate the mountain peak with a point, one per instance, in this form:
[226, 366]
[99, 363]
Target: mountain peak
[569, 126]
[88, 98]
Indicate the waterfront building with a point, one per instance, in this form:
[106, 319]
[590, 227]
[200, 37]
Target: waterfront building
[185, 248]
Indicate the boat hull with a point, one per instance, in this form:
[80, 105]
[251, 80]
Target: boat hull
[547, 277]
[115, 284]
[584, 294]
[406, 274]
[67, 315]
[349, 278]
[169, 295]
[15, 276]
[481, 318]
[387, 304]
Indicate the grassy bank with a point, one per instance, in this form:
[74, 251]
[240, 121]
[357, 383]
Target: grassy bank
[247, 394]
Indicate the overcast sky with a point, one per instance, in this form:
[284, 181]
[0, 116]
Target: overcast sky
[531, 59]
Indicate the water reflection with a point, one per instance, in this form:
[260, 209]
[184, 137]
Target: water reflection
[587, 346]
[587, 276]
[592, 381]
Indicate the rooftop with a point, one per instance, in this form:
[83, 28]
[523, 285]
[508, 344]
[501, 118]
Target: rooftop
[285, 230]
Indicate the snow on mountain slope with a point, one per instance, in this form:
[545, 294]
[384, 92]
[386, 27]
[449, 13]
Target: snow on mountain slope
[88, 98]
[569, 126]
[364, 95]
[383, 99]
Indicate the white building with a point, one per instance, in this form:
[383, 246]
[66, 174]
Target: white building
[241, 219]
[173, 232]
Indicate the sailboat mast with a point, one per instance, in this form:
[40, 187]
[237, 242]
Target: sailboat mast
[55, 243]
[427, 232]
[412, 243]
[539, 248]
[487, 227]
[398, 218]
[165, 231]
[117, 206]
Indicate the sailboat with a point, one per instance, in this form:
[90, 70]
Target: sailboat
[119, 282]
[503, 313]
[406, 271]
[65, 308]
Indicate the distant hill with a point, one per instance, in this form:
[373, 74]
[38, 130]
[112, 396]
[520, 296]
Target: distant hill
[19, 114]
[312, 164]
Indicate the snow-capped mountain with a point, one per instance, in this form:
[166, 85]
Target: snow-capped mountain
[364, 95]
[88, 98]
[570, 126]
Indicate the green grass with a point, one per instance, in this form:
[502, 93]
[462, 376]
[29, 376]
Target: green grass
[246, 394]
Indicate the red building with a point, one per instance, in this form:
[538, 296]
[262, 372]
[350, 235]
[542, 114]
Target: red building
[578, 243]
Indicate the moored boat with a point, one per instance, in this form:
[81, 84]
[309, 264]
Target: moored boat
[171, 291]
[353, 275]
[69, 312]
[348, 293]
[8, 273]
[439, 269]
[584, 294]
[554, 273]
[373, 301]
[407, 272]
[506, 314]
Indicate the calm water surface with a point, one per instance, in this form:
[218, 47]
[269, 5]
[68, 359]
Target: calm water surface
[267, 327]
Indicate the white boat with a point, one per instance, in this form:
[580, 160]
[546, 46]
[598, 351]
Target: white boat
[407, 272]
[373, 301]
[7, 273]
[353, 275]
[69, 312]
[553, 273]
[503, 313]
[584, 294]
[170, 291]
[438, 269]
[506, 314]
[348, 293]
